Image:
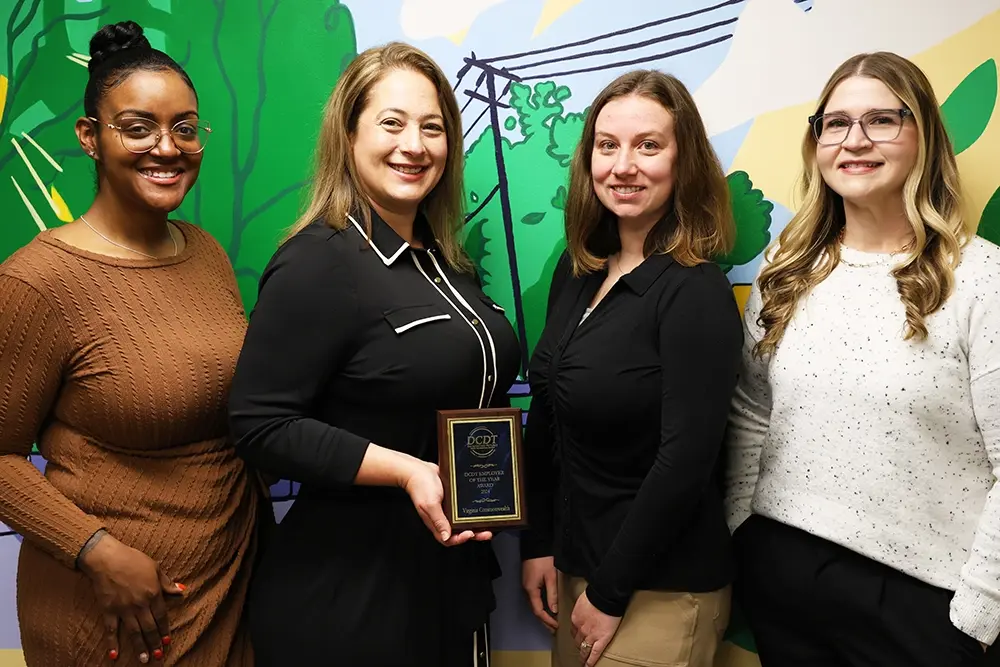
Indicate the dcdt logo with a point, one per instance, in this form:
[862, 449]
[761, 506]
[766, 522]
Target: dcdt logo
[482, 442]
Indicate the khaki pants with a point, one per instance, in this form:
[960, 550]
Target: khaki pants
[659, 629]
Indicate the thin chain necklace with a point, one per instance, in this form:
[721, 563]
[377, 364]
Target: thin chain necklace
[881, 261]
[125, 247]
[618, 264]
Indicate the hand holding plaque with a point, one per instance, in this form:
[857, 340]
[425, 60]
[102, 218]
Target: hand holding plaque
[480, 459]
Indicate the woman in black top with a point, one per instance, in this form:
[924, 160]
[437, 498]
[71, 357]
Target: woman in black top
[631, 382]
[369, 320]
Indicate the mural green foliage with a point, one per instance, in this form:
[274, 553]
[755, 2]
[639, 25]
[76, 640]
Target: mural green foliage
[250, 188]
[968, 109]
[752, 214]
[989, 223]
[535, 172]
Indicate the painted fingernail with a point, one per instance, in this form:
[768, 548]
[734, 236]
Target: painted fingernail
[158, 653]
[181, 587]
[166, 640]
[113, 654]
[144, 658]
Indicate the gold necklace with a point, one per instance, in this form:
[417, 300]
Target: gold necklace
[125, 247]
[882, 261]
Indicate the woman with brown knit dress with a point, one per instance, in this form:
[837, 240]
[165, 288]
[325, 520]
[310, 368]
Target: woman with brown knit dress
[119, 333]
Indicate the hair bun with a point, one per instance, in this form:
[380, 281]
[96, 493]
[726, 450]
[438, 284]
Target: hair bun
[114, 38]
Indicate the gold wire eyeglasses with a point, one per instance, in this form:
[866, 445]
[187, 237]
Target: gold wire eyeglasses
[141, 135]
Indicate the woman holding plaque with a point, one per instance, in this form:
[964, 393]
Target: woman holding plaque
[369, 320]
[865, 430]
[631, 382]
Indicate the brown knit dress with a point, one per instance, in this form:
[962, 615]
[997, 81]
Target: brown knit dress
[120, 370]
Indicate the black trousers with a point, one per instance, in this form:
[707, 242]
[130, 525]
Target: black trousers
[812, 603]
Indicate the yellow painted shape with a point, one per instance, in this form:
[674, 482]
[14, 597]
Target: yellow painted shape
[459, 36]
[946, 65]
[742, 294]
[3, 103]
[552, 10]
[62, 209]
[11, 658]
[771, 152]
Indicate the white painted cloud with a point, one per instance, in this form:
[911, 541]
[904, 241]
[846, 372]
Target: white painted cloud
[423, 19]
[781, 56]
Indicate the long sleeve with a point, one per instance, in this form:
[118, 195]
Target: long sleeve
[699, 343]
[749, 416]
[299, 336]
[542, 475]
[34, 349]
[975, 608]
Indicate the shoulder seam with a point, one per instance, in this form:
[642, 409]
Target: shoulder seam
[59, 314]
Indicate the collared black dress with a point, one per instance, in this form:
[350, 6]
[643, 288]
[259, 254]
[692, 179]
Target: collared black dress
[355, 341]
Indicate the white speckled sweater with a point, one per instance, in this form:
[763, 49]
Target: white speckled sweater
[888, 447]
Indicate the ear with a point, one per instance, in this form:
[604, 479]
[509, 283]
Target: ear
[86, 133]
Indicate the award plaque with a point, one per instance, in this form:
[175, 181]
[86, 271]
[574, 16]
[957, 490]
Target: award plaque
[482, 468]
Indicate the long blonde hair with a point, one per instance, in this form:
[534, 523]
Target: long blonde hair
[699, 226]
[808, 249]
[337, 190]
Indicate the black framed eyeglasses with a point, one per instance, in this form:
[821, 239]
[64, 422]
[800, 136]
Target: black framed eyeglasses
[141, 135]
[832, 129]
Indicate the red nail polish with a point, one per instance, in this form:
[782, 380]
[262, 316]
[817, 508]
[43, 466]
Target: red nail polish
[158, 654]
[113, 654]
[181, 587]
[166, 640]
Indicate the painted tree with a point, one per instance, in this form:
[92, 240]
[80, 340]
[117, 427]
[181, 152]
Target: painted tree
[753, 221]
[536, 173]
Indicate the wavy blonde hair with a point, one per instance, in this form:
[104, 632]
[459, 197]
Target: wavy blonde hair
[699, 225]
[337, 190]
[808, 249]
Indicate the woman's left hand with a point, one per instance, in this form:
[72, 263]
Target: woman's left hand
[592, 630]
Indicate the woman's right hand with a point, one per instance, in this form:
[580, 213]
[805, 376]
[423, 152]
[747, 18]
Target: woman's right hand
[538, 574]
[129, 588]
[423, 484]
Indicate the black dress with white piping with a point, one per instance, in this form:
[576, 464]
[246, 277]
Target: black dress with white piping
[357, 340]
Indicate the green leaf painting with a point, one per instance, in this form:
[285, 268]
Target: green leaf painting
[753, 220]
[968, 109]
[537, 177]
[989, 223]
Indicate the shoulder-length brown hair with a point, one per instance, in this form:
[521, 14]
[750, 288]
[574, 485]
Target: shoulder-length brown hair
[337, 190]
[808, 249]
[699, 223]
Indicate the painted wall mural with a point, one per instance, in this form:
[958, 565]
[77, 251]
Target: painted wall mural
[525, 72]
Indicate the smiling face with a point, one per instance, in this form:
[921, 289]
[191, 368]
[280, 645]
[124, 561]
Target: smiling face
[159, 179]
[633, 159]
[859, 170]
[400, 146]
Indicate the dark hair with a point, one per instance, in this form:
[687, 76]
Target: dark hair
[118, 50]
